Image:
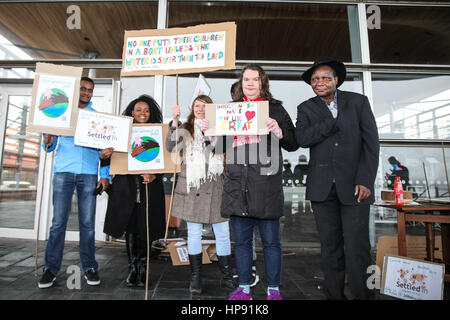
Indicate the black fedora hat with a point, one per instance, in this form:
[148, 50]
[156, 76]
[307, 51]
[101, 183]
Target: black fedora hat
[337, 66]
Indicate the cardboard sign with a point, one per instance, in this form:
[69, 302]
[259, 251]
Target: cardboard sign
[147, 146]
[54, 103]
[179, 253]
[237, 118]
[411, 279]
[206, 47]
[102, 130]
[202, 88]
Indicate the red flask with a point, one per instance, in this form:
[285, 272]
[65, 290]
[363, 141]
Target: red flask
[398, 190]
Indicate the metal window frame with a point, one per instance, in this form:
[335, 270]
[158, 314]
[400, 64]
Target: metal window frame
[365, 67]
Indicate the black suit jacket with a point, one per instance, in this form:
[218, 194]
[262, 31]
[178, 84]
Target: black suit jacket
[345, 149]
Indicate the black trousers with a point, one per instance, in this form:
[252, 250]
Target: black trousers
[345, 245]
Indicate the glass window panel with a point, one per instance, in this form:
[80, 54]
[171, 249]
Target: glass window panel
[441, 112]
[443, 125]
[413, 158]
[425, 116]
[133, 87]
[415, 34]
[16, 73]
[290, 92]
[20, 164]
[279, 31]
[403, 100]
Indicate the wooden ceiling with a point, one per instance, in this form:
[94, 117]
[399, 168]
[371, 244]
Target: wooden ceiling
[266, 31]
[43, 25]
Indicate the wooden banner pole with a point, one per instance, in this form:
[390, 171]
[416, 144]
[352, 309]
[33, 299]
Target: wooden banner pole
[39, 215]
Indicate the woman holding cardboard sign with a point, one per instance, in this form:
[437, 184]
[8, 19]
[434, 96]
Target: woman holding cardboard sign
[126, 211]
[198, 191]
[253, 191]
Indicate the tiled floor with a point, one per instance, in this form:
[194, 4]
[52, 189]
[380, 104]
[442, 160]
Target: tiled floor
[301, 270]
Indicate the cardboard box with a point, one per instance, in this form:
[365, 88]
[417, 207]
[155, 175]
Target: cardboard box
[210, 247]
[389, 196]
[415, 247]
[179, 253]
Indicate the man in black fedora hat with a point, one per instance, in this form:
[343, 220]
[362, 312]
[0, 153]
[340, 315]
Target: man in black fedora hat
[340, 130]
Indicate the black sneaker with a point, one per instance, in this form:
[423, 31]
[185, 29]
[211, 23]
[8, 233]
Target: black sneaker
[47, 279]
[92, 277]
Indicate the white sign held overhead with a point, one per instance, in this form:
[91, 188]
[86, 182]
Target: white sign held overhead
[202, 88]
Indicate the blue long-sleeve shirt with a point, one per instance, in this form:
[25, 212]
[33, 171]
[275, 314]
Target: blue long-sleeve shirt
[76, 159]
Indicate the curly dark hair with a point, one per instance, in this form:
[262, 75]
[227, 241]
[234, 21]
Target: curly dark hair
[155, 110]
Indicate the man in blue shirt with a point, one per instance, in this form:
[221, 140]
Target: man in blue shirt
[75, 167]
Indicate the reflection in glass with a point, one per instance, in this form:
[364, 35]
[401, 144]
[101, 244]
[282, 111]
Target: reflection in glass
[411, 34]
[290, 92]
[412, 174]
[412, 106]
[279, 31]
[20, 163]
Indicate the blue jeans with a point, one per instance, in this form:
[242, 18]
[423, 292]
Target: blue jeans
[221, 232]
[64, 184]
[243, 239]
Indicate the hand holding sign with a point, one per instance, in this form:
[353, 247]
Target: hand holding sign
[273, 126]
[176, 115]
[48, 140]
[106, 153]
[205, 125]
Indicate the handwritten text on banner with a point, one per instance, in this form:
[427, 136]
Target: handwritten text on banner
[175, 52]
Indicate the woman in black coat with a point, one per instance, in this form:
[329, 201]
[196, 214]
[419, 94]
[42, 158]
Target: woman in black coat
[253, 191]
[126, 211]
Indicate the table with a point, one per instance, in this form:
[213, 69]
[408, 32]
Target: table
[427, 213]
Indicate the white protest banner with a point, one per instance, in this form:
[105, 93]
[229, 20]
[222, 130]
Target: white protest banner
[202, 88]
[201, 48]
[237, 118]
[102, 130]
[54, 103]
[411, 279]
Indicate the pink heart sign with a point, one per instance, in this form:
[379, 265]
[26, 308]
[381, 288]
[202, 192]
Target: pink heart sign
[249, 115]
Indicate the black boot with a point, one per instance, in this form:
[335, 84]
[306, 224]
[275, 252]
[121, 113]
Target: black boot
[196, 281]
[227, 280]
[131, 243]
[142, 271]
[142, 261]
